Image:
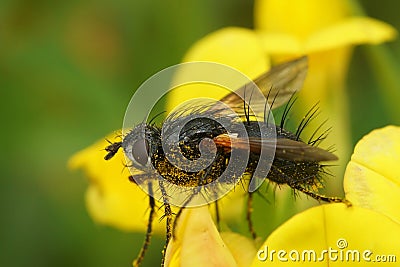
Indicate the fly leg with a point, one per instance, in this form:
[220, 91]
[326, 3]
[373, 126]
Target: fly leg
[196, 191]
[319, 197]
[168, 215]
[249, 211]
[178, 215]
[217, 217]
[149, 230]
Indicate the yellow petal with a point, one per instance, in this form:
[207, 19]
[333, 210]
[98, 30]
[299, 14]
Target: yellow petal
[110, 198]
[197, 242]
[372, 178]
[242, 248]
[281, 43]
[238, 48]
[298, 18]
[352, 31]
[331, 226]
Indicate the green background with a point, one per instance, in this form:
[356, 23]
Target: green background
[67, 72]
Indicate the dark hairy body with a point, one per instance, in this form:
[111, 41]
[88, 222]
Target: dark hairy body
[284, 169]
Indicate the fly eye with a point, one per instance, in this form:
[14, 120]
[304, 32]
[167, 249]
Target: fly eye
[140, 152]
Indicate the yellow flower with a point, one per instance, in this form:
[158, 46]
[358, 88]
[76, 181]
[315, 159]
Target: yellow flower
[372, 184]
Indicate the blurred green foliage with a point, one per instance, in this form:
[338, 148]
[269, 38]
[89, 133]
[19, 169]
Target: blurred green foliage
[67, 72]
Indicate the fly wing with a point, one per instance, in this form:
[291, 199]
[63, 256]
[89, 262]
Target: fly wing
[299, 151]
[283, 80]
[284, 148]
[277, 85]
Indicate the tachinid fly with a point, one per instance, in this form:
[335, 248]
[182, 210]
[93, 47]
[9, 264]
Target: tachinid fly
[295, 163]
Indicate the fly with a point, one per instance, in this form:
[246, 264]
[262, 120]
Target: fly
[296, 162]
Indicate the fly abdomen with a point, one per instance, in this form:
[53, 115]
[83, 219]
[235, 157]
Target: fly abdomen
[294, 161]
